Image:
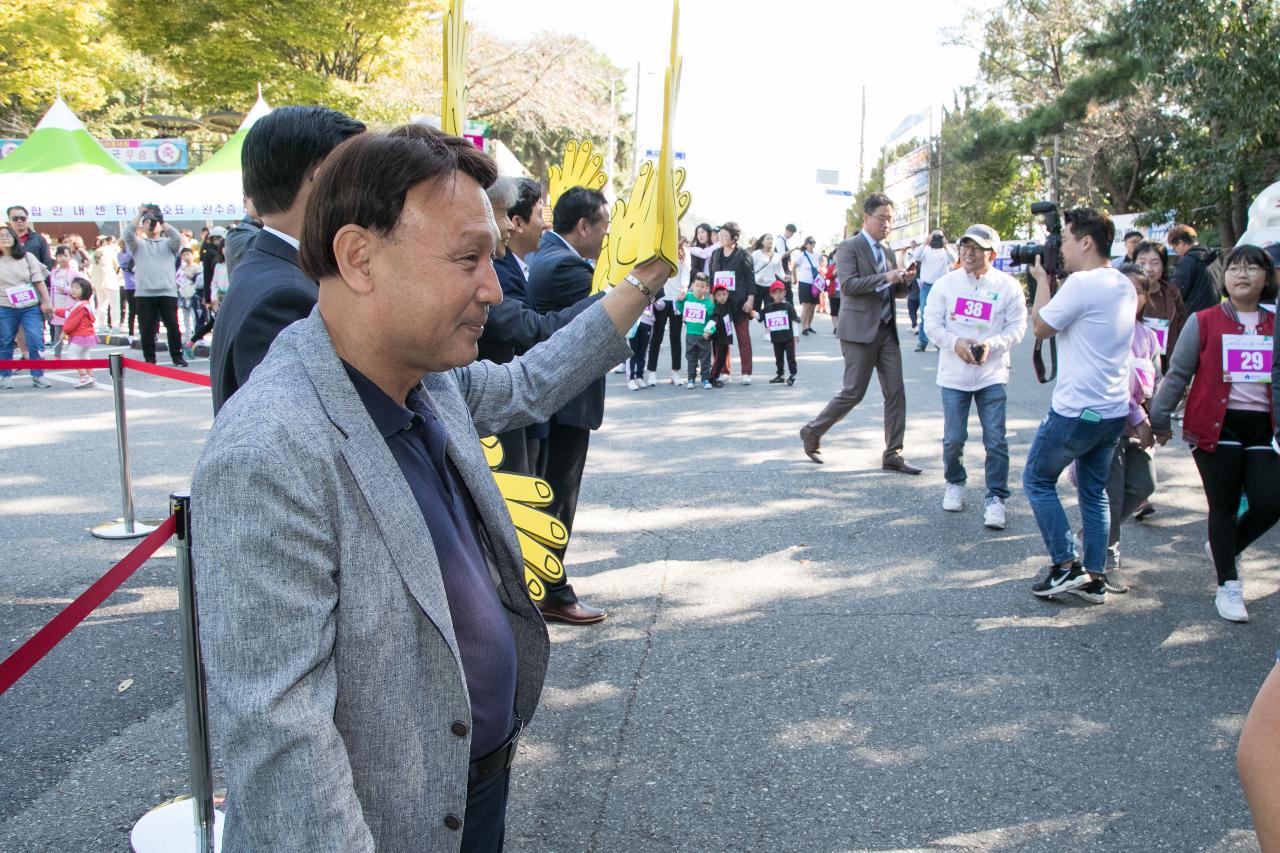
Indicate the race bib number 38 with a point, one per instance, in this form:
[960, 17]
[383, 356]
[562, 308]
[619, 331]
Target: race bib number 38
[972, 309]
[1246, 358]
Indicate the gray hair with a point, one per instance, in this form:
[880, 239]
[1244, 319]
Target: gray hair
[504, 193]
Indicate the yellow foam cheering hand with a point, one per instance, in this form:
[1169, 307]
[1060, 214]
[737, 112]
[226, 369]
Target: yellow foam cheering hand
[581, 167]
[537, 531]
[453, 102]
[647, 225]
[631, 227]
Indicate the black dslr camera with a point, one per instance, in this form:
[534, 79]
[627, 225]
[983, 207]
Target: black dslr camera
[1049, 252]
[151, 214]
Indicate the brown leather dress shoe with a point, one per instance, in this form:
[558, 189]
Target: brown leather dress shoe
[576, 613]
[810, 444]
[902, 466]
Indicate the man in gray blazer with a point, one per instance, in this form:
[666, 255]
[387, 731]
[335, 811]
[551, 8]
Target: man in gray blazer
[371, 649]
[870, 283]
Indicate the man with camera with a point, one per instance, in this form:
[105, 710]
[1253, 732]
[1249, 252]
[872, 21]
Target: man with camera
[1091, 315]
[155, 245]
[975, 315]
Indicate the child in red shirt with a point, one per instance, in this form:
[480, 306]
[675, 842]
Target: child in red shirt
[78, 330]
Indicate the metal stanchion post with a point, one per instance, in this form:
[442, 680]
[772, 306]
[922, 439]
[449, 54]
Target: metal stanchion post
[125, 527]
[186, 823]
[197, 701]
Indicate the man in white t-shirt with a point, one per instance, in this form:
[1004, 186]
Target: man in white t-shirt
[1092, 317]
[976, 315]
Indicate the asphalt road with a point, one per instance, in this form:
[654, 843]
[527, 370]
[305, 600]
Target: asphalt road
[798, 657]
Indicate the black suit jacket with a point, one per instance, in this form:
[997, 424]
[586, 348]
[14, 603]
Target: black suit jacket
[268, 292]
[513, 327]
[558, 279]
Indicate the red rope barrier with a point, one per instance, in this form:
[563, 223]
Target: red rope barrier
[56, 364]
[29, 653]
[188, 376]
[168, 372]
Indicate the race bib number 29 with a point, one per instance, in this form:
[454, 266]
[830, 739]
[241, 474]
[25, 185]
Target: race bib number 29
[1246, 358]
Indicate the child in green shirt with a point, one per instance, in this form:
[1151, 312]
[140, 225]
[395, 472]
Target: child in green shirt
[696, 308]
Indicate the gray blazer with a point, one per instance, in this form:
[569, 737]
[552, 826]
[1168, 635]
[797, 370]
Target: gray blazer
[860, 302]
[331, 658]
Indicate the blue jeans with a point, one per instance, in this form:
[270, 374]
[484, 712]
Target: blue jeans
[924, 300]
[955, 431]
[1059, 442]
[32, 323]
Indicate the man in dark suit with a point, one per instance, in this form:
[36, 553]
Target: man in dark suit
[870, 283]
[513, 326]
[560, 276]
[268, 291]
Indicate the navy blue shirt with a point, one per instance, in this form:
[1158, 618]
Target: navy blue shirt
[417, 440]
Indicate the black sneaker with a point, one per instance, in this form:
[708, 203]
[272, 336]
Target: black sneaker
[1114, 583]
[1060, 579]
[1143, 511]
[791, 380]
[180, 362]
[777, 380]
[1094, 592]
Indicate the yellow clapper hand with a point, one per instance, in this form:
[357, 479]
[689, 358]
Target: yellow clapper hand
[453, 101]
[537, 531]
[581, 167]
[647, 224]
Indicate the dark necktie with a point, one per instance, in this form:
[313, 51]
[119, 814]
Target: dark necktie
[886, 296]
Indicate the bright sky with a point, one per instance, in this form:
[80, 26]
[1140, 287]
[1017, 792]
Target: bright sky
[770, 91]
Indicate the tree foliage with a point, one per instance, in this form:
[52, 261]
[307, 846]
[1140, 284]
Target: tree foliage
[301, 51]
[1155, 103]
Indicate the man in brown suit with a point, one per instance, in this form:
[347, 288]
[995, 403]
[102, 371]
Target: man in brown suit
[870, 282]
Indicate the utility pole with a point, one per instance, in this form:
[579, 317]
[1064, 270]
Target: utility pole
[635, 142]
[610, 164]
[862, 141]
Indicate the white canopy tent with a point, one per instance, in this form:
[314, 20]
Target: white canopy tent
[60, 173]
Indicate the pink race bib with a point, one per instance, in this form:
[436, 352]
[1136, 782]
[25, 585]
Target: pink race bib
[969, 309]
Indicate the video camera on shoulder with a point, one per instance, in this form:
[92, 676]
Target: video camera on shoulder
[152, 215]
[1049, 252]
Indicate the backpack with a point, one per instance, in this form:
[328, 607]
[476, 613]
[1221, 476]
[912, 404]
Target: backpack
[1214, 270]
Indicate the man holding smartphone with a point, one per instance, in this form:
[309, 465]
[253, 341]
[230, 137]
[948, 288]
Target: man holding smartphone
[976, 315]
[1092, 317]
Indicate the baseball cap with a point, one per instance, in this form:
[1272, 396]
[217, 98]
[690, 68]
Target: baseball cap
[984, 235]
[219, 231]
[777, 285]
[719, 286]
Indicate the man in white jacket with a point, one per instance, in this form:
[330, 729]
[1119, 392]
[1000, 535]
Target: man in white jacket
[976, 315]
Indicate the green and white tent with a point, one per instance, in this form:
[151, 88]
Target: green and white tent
[213, 189]
[61, 174]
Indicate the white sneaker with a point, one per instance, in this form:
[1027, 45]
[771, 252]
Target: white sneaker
[633, 384]
[746, 380]
[676, 380]
[689, 384]
[6, 383]
[649, 380]
[953, 498]
[41, 382]
[995, 517]
[621, 368]
[1230, 602]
